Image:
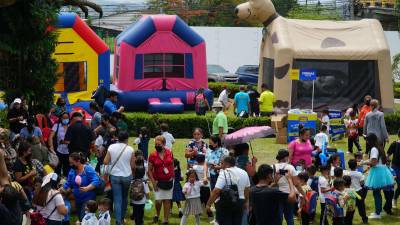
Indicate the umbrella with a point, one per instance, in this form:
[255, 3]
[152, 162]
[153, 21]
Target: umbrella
[247, 134]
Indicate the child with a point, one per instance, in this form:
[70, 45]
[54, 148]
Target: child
[143, 141]
[139, 190]
[325, 119]
[90, 217]
[104, 212]
[169, 139]
[300, 165]
[323, 189]
[334, 161]
[352, 130]
[338, 173]
[68, 206]
[191, 189]
[351, 196]
[312, 178]
[338, 193]
[197, 146]
[321, 139]
[357, 183]
[205, 187]
[177, 194]
[305, 216]
[358, 156]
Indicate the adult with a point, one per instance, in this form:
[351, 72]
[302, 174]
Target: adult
[161, 175]
[366, 108]
[78, 137]
[10, 209]
[379, 177]
[96, 118]
[197, 146]
[58, 108]
[121, 162]
[39, 151]
[10, 155]
[267, 101]
[213, 160]
[82, 180]
[58, 145]
[17, 117]
[254, 104]
[241, 103]
[375, 124]
[201, 103]
[283, 167]
[231, 175]
[224, 98]
[24, 170]
[49, 202]
[301, 149]
[220, 123]
[118, 121]
[266, 201]
[110, 105]
[394, 150]
[243, 161]
[105, 127]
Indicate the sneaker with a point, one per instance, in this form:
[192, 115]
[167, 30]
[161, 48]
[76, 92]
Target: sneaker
[180, 214]
[394, 204]
[348, 152]
[374, 216]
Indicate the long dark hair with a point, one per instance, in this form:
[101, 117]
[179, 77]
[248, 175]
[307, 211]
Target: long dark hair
[40, 198]
[216, 140]
[372, 140]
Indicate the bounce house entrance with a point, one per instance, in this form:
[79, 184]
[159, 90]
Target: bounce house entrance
[339, 84]
[74, 77]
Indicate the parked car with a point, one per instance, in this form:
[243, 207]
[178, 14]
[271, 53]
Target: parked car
[248, 74]
[217, 73]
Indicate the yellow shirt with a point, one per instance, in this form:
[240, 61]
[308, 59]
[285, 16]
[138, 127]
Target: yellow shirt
[267, 98]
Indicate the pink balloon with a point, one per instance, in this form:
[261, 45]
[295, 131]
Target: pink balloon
[78, 180]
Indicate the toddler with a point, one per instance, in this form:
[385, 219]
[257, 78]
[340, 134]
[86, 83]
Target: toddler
[191, 189]
[104, 212]
[169, 139]
[90, 216]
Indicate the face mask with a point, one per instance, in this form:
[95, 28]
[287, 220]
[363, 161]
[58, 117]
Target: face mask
[74, 167]
[65, 121]
[159, 148]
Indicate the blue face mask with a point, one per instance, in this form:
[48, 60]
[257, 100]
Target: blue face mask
[65, 121]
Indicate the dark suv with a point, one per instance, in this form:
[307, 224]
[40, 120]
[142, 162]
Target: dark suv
[248, 74]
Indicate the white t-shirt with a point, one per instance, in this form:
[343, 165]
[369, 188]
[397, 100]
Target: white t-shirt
[321, 139]
[283, 183]
[237, 176]
[90, 219]
[192, 191]
[375, 155]
[61, 148]
[199, 171]
[99, 141]
[356, 179]
[223, 97]
[325, 120]
[123, 167]
[322, 183]
[169, 139]
[104, 218]
[146, 191]
[56, 201]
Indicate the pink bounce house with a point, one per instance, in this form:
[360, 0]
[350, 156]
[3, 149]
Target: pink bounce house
[159, 64]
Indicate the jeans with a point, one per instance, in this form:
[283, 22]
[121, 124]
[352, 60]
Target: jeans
[120, 187]
[245, 218]
[138, 214]
[353, 141]
[378, 201]
[397, 192]
[288, 212]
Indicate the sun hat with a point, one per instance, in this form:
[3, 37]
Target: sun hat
[217, 104]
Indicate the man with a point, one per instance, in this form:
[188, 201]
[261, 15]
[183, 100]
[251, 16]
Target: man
[375, 124]
[254, 95]
[220, 123]
[224, 98]
[266, 201]
[110, 105]
[242, 103]
[231, 175]
[78, 137]
[267, 101]
[17, 117]
[366, 108]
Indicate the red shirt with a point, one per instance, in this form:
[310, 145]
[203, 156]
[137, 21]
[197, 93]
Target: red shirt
[363, 112]
[159, 165]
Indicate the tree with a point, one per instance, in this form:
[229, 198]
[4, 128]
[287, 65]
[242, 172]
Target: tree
[26, 47]
[396, 67]
[312, 12]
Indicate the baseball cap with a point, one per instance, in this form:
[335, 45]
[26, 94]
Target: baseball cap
[17, 100]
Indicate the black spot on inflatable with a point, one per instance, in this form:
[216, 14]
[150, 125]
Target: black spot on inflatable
[274, 38]
[281, 71]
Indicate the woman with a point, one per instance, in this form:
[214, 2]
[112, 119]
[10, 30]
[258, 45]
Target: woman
[58, 108]
[161, 175]
[49, 201]
[301, 149]
[201, 103]
[82, 180]
[379, 177]
[31, 130]
[214, 156]
[56, 142]
[197, 146]
[121, 162]
[24, 170]
[96, 118]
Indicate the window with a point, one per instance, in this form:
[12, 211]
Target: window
[73, 77]
[164, 65]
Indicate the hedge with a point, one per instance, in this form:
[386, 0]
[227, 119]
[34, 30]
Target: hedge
[396, 91]
[217, 87]
[182, 125]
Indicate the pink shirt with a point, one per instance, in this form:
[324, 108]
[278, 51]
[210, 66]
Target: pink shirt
[301, 151]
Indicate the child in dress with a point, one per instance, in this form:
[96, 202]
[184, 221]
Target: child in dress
[177, 194]
[104, 212]
[90, 217]
[191, 189]
[143, 141]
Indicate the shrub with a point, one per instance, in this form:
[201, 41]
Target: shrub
[217, 87]
[182, 125]
[397, 92]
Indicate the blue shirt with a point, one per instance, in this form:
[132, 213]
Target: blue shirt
[110, 107]
[25, 133]
[215, 157]
[242, 100]
[88, 176]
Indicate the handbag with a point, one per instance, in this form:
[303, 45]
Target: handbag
[165, 185]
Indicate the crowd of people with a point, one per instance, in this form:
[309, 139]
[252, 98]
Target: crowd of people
[90, 168]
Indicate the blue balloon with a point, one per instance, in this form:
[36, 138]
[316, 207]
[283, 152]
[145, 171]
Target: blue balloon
[323, 158]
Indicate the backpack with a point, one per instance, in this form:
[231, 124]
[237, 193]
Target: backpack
[37, 218]
[200, 101]
[314, 183]
[137, 190]
[333, 208]
[229, 196]
[311, 202]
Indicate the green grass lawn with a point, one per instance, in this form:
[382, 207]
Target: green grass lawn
[265, 150]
